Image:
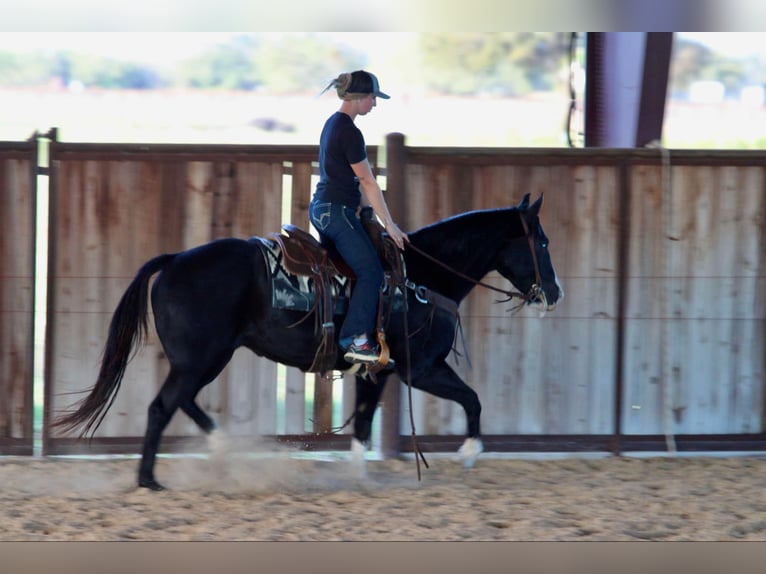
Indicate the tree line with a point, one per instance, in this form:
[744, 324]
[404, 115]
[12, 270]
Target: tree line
[505, 64]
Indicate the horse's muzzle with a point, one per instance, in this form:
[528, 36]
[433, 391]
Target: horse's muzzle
[537, 298]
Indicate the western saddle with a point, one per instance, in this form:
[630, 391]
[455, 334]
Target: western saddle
[303, 255]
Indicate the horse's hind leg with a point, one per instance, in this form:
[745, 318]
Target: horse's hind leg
[161, 410]
[216, 440]
[443, 382]
[177, 391]
[200, 417]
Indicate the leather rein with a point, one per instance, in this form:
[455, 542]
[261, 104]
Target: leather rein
[535, 291]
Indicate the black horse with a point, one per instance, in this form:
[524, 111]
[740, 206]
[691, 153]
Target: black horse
[212, 299]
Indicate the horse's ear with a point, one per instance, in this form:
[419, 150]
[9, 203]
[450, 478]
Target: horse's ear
[534, 209]
[524, 203]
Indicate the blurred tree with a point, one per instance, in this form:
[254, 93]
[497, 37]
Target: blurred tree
[304, 62]
[270, 62]
[96, 71]
[504, 63]
[731, 74]
[19, 69]
[127, 76]
[694, 62]
[228, 66]
[687, 65]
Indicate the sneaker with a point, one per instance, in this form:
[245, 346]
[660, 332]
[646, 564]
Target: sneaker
[364, 352]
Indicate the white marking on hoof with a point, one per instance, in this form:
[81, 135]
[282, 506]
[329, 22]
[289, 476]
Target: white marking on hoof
[217, 442]
[470, 450]
[358, 462]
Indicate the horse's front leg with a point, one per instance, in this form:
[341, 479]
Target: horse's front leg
[470, 450]
[367, 398]
[441, 381]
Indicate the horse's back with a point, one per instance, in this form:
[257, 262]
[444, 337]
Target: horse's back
[219, 254]
[208, 286]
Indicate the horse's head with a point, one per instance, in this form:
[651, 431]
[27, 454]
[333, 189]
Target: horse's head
[525, 260]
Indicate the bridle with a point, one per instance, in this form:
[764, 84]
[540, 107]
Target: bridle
[535, 292]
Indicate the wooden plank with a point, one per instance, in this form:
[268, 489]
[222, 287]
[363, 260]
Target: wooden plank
[642, 397]
[295, 379]
[322, 419]
[17, 296]
[131, 239]
[748, 370]
[224, 200]
[199, 204]
[322, 413]
[76, 323]
[586, 369]
[250, 379]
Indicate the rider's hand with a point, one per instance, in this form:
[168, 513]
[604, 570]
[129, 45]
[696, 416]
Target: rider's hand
[397, 234]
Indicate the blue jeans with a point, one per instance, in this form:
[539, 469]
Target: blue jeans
[339, 225]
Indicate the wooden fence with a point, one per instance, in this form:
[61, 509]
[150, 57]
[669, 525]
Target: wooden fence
[657, 344]
[661, 334]
[113, 208]
[18, 164]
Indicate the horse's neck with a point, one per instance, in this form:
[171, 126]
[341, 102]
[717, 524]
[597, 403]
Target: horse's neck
[464, 247]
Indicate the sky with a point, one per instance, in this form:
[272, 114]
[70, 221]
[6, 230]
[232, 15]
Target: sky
[377, 15]
[737, 44]
[170, 47]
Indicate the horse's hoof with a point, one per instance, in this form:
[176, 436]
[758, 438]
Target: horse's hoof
[358, 462]
[151, 484]
[470, 450]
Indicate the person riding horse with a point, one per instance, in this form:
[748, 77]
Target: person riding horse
[345, 182]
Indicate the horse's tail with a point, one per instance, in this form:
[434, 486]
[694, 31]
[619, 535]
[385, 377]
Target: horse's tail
[127, 331]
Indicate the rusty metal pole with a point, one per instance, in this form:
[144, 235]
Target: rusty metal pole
[395, 194]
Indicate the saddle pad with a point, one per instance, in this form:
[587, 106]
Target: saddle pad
[296, 292]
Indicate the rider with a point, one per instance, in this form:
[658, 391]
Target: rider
[346, 182]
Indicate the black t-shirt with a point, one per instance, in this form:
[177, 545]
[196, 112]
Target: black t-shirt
[340, 145]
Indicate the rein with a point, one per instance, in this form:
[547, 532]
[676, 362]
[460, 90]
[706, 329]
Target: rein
[535, 291]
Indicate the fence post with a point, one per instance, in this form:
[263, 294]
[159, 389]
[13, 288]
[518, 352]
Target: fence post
[18, 191]
[623, 268]
[396, 199]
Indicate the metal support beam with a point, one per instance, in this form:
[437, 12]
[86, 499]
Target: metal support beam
[626, 86]
[654, 87]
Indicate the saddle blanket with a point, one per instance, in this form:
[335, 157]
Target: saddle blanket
[296, 292]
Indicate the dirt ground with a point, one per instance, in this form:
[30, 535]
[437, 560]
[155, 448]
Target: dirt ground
[286, 497]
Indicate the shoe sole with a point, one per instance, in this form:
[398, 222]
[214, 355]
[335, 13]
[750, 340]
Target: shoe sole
[366, 359]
